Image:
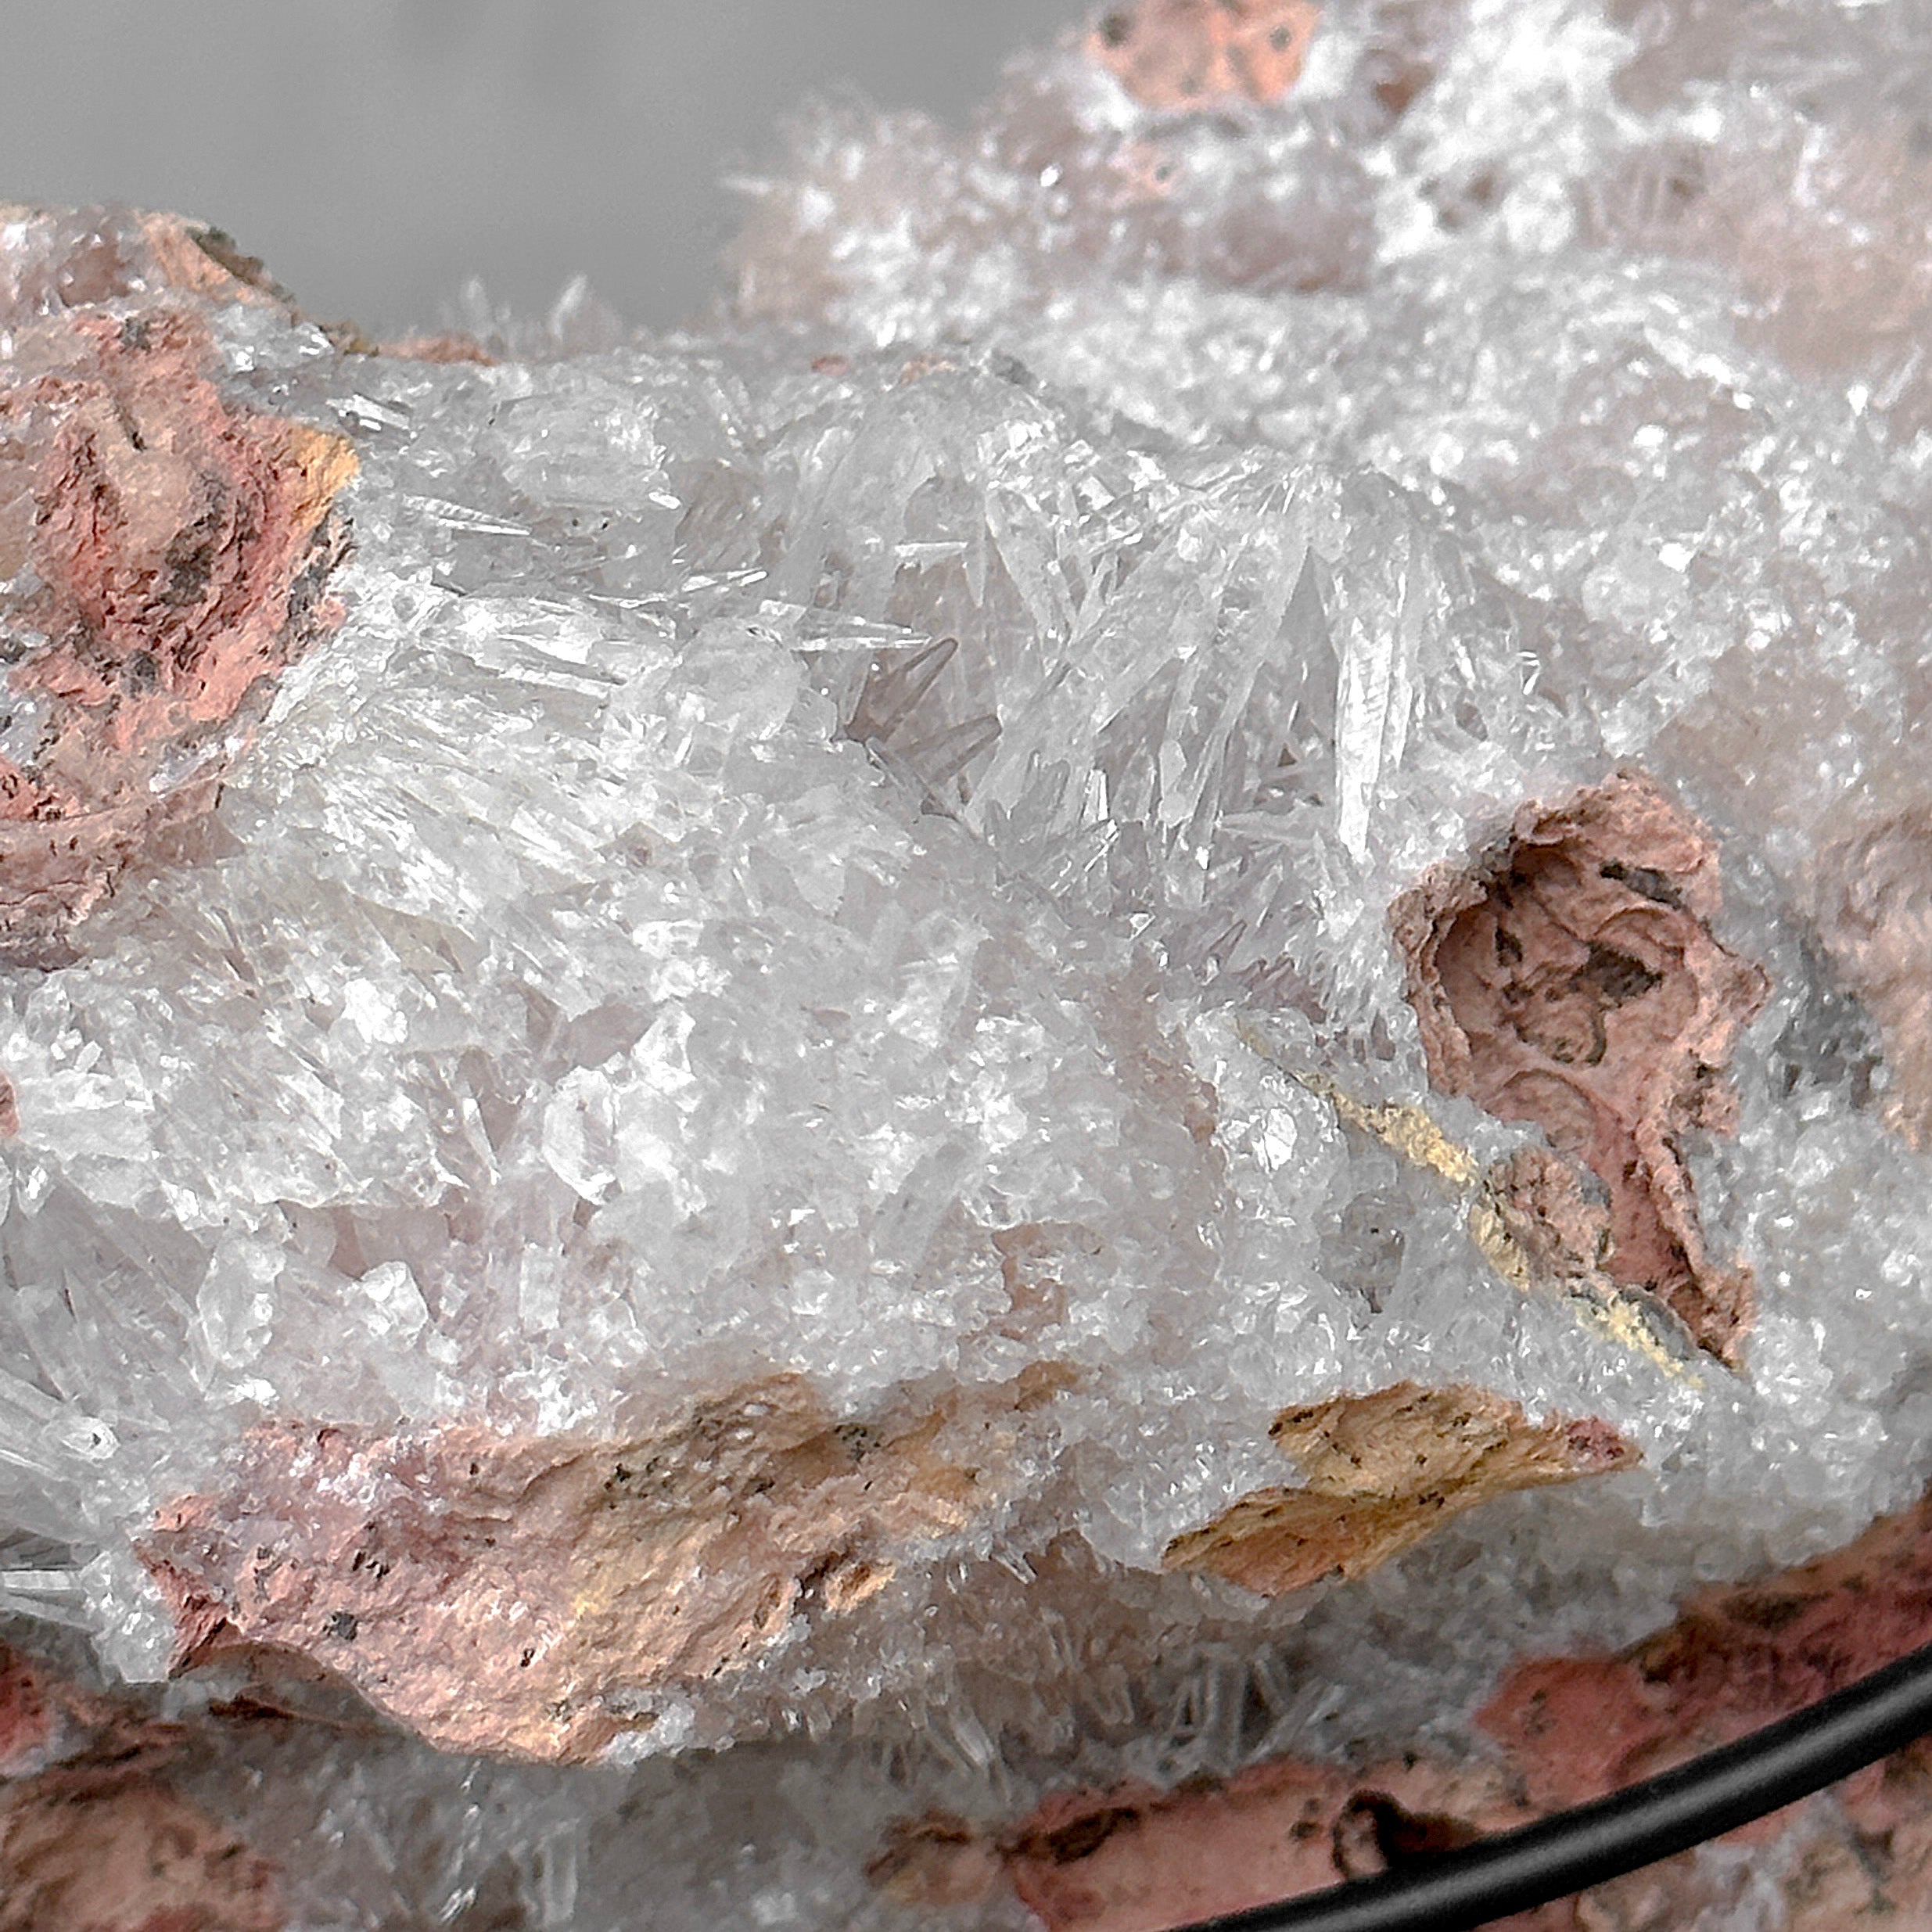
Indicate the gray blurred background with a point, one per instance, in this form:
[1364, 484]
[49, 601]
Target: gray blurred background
[378, 153]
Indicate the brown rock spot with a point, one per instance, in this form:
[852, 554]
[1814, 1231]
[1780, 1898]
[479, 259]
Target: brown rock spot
[1738, 1656]
[1383, 1472]
[1136, 1858]
[445, 348]
[1570, 977]
[111, 1854]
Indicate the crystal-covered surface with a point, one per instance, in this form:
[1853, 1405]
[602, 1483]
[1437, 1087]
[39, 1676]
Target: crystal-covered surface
[799, 815]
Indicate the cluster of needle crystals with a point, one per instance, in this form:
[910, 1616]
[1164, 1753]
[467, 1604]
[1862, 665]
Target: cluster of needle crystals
[1131, 983]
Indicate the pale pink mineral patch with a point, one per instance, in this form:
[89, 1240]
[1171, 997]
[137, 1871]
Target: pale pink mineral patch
[1570, 977]
[1204, 53]
[163, 555]
[529, 1596]
[1383, 1472]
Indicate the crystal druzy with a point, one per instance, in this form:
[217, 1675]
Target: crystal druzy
[1113, 1028]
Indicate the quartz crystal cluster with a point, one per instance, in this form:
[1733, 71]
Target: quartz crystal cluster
[1113, 1030]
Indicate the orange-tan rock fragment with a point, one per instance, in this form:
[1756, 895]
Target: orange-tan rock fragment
[163, 555]
[528, 1595]
[1874, 920]
[205, 260]
[1383, 1471]
[1570, 977]
[1205, 53]
[60, 259]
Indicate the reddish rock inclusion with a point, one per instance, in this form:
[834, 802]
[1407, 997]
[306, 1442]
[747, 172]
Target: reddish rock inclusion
[531, 1596]
[1136, 1858]
[1204, 53]
[92, 1837]
[169, 552]
[1572, 979]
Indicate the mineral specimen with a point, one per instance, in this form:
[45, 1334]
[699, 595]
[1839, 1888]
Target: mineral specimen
[700, 1032]
[1201, 53]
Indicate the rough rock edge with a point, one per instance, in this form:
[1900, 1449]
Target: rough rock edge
[1383, 1471]
[1135, 1858]
[79, 257]
[168, 553]
[1737, 1657]
[92, 1837]
[537, 1597]
[1570, 977]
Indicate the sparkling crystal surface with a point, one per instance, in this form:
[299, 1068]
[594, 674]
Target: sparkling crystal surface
[859, 845]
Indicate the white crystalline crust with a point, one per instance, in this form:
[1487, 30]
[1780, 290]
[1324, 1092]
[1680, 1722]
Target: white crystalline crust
[791, 806]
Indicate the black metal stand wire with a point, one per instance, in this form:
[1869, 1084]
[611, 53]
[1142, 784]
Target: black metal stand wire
[1514, 1871]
